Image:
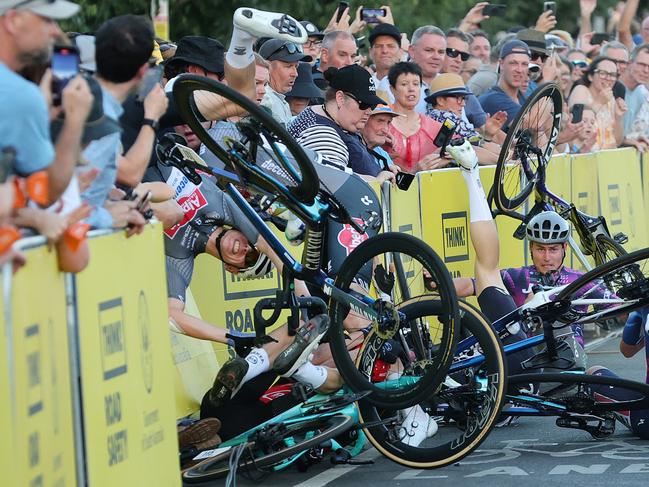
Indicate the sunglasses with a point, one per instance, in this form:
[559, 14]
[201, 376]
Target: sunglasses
[361, 104]
[450, 52]
[289, 47]
[579, 64]
[251, 256]
[536, 55]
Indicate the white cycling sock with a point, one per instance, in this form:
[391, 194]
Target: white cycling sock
[478, 204]
[258, 363]
[240, 53]
[312, 375]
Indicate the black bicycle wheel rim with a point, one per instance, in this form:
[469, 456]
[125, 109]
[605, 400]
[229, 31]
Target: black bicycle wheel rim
[416, 252]
[306, 187]
[218, 467]
[569, 380]
[460, 443]
[626, 278]
[526, 173]
[607, 249]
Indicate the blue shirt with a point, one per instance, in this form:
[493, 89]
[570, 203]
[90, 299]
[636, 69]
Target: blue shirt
[102, 153]
[634, 100]
[474, 112]
[24, 123]
[496, 99]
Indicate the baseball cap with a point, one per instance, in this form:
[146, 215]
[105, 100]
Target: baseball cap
[279, 50]
[51, 9]
[97, 124]
[385, 30]
[311, 29]
[535, 39]
[303, 87]
[515, 46]
[202, 51]
[446, 84]
[385, 110]
[356, 81]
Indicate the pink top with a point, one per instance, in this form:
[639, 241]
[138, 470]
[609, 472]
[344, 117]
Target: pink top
[406, 152]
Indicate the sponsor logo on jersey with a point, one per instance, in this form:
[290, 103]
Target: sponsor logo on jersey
[190, 205]
[349, 238]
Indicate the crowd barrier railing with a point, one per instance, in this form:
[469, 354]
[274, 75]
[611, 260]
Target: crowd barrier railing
[87, 368]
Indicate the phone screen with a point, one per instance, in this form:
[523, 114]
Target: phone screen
[152, 77]
[550, 6]
[65, 66]
[370, 15]
[341, 10]
[599, 37]
[577, 112]
[494, 9]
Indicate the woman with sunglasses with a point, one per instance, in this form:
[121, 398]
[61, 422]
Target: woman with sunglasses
[333, 129]
[447, 98]
[413, 135]
[596, 90]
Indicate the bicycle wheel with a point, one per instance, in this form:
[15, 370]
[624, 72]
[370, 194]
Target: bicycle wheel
[265, 452]
[529, 144]
[606, 249]
[361, 272]
[256, 140]
[615, 287]
[464, 411]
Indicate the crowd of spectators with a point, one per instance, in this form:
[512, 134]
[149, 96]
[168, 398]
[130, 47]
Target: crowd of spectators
[374, 113]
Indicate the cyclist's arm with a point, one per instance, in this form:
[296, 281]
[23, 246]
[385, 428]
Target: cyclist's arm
[192, 326]
[633, 334]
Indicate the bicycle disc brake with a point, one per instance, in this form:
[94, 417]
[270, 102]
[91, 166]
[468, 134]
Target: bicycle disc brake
[388, 322]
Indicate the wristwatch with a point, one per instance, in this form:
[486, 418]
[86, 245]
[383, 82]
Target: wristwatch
[154, 124]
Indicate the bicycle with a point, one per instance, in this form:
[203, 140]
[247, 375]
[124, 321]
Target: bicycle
[461, 409]
[530, 142]
[266, 160]
[285, 439]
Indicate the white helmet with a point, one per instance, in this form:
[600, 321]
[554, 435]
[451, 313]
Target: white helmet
[262, 267]
[548, 227]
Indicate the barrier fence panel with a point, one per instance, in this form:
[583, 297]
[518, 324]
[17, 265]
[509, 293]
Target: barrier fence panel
[645, 184]
[585, 192]
[41, 433]
[620, 189]
[7, 461]
[126, 363]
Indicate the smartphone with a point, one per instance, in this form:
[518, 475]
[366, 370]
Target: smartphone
[577, 111]
[404, 180]
[444, 136]
[371, 15]
[342, 6]
[552, 6]
[65, 66]
[619, 91]
[152, 77]
[494, 9]
[599, 37]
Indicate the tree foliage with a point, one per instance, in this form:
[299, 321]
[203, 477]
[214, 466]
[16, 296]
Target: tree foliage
[214, 18]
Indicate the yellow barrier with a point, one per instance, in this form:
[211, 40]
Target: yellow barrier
[585, 191]
[125, 355]
[621, 199]
[41, 434]
[7, 461]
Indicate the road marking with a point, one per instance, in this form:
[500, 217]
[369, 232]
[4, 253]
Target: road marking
[323, 478]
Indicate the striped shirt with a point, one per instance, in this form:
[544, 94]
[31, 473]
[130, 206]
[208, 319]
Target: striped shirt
[337, 147]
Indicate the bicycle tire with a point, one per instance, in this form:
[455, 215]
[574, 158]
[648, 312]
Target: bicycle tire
[218, 466]
[451, 448]
[525, 172]
[563, 382]
[419, 253]
[606, 249]
[626, 278]
[306, 182]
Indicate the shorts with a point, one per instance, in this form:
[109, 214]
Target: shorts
[495, 303]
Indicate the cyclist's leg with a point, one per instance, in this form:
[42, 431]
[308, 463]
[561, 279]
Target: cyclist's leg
[493, 297]
[240, 61]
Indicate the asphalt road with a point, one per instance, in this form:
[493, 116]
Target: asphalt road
[531, 452]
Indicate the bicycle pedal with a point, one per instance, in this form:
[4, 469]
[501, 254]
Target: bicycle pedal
[621, 238]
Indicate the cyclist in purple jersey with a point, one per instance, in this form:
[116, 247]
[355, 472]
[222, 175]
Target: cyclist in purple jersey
[633, 340]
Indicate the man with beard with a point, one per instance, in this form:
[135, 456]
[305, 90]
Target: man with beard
[27, 33]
